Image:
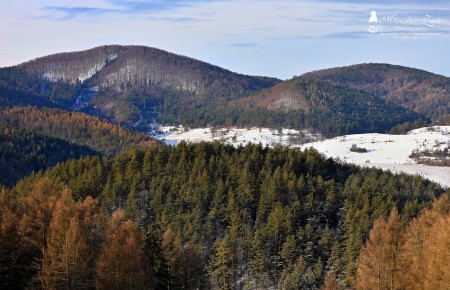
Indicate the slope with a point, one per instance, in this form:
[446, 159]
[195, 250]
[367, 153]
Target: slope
[76, 128]
[22, 152]
[393, 152]
[417, 90]
[324, 106]
[135, 86]
[134, 83]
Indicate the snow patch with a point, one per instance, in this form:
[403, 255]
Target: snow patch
[391, 152]
[237, 136]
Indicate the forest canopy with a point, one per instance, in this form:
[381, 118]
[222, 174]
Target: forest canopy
[204, 215]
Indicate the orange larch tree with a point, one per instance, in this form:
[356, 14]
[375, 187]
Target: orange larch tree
[378, 265]
[121, 263]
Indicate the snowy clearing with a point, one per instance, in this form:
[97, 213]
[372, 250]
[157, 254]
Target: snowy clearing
[391, 152]
[237, 136]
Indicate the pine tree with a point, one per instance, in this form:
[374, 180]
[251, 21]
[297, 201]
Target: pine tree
[331, 282]
[79, 269]
[170, 246]
[293, 276]
[93, 222]
[35, 211]
[11, 272]
[438, 255]
[222, 264]
[132, 211]
[189, 269]
[157, 263]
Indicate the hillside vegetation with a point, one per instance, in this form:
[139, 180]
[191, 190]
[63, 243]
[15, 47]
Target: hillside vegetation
[137, 81]
[321, 105]
[22, 152]
[76, 128]
[248, 216]
[417, 90]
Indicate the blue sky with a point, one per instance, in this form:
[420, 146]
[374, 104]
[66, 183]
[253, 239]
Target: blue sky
[272, 38]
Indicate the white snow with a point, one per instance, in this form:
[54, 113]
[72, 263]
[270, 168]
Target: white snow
[237, 136]
[391, 152]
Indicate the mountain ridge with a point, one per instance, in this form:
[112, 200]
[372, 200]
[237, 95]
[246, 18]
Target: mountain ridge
[137, 86]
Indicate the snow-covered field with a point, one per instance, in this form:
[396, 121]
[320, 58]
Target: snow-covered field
[237, 136]
[389, 152]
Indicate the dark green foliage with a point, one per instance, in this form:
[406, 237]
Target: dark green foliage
[268, 216]
[158, 263]
[408, 126]
[339, 110]
[357, 149]
[22, 152]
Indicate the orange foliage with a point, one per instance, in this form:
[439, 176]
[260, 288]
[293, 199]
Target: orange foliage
[417, 257]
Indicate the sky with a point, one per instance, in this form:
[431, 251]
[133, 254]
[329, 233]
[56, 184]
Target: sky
[271, 38]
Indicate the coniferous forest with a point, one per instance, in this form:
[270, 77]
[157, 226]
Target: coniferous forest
[212, 216]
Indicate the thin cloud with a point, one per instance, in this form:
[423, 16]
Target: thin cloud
[179, 19]
[303, 19]
[384, 2]
[293, 37]
[73, 12]
[142, 7]
[347, 35]
[242, 44]
[122, 7]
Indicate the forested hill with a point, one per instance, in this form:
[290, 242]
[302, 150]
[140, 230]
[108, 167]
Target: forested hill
[76, 128]
[133, 82]
[324, 106]
[34, 139]
[22, 152]
[417, 90]
[215, 217]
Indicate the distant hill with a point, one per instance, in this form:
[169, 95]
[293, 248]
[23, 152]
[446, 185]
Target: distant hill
[22, 152]
[135, 86]
[135, 83]
[327, 107]
[414, 89]
[76, 128]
